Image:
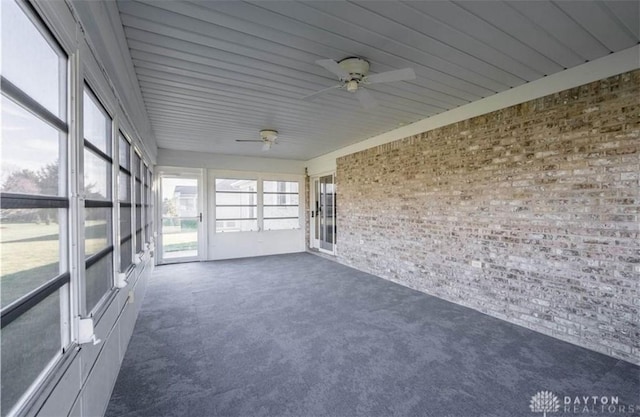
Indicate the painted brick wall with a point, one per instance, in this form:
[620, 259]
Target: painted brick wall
[529, 214]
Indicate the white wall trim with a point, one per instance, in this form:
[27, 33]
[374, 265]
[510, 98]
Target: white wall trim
[610, 65]
[189, 159]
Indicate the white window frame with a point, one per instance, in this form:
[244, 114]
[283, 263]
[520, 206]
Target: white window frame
[63, 283]
[300, 199]
[98, 309]
[257, 205]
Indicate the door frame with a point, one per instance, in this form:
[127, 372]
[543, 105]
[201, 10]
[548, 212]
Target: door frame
[175, 172]
[314, 241]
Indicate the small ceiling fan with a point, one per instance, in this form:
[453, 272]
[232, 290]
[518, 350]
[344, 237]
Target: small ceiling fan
[353, 73]
[267, 138]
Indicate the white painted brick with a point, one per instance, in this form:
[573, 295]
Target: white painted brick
[522, 214]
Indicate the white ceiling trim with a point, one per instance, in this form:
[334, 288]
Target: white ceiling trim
[610, 65]
[104, 34]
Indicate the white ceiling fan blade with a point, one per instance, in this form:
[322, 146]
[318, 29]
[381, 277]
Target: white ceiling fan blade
[365, 98]
[389, 76]
[317, 93]
[333, 67]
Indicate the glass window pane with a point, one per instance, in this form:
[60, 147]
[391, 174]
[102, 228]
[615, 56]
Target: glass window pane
[125, 255]
[281, 224]
[124, 187]
[149, 205]
[138, 218]
[187, 205]
[98, 281]
[281, 211]
[236, 185]
[30, 62]
[280, 187]
[29, 250]
[138, 241]
[97, 229]
[236, 213]
[97, 176]
[147, 233]
[237, 199]
[281, 199]
[179, 237]
[125, 222]
[29, 344]
[125, 152]
[136, 165]
[179, 197]
[138, 196]
[97, 125]
[224, 226]
[30, 150]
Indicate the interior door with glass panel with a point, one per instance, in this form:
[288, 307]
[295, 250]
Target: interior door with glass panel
[181, 228]
[324, 215]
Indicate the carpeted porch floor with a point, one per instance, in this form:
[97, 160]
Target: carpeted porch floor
[298, 335]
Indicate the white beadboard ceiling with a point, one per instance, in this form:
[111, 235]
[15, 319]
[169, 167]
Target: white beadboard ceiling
[212, 72]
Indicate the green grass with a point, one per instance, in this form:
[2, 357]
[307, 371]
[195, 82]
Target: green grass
[30, 252]
[29, 257]
[175, 247]
[20, 283]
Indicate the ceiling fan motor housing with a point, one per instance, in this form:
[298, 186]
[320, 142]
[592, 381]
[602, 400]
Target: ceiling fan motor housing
[353, 73]
[358, 68]
[268, 135]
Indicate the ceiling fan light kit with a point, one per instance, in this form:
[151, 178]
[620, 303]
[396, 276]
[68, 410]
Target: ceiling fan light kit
[353, 74]
[352, 86]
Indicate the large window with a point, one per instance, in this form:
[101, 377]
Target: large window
[35, 206]
[236, 205]
[147, 204]
[280, 201]
[98, 205]
[137, 172]
[124, 197]
[57, 213]
[151, 206]
[238, 208]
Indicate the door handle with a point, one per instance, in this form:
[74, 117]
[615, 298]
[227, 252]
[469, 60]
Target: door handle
[200, 217]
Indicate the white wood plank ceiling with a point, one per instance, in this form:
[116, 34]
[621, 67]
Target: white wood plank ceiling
[212, 72]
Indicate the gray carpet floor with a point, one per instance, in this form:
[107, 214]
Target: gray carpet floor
[298, 335]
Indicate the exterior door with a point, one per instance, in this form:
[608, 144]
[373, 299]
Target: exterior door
[324, 214]
[181, 229]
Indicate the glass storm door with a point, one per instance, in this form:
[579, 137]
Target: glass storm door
[181, 218]
[325, 217]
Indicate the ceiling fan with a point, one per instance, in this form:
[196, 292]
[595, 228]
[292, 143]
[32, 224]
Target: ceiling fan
[267, 138]
[353, 73]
